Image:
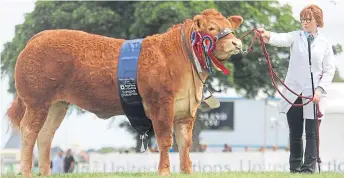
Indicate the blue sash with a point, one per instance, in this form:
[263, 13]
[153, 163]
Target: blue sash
[127, 87]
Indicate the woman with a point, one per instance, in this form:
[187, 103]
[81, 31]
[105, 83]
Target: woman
[298, 79]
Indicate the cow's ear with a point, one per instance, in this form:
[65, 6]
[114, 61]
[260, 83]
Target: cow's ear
[199, 22]
[235, 21]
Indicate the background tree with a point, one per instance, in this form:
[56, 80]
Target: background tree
[249, 73]
[337, 77]
[337, 49]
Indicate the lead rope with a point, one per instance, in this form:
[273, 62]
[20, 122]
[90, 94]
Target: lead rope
[273, 73]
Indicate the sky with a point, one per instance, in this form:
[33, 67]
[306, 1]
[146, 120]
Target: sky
[85, 131]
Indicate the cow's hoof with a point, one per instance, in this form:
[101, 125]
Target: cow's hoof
[186, 170]
[25, 174]
[164, 172]
[44, 173]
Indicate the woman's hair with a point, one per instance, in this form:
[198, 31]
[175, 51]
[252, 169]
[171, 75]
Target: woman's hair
[315, 12]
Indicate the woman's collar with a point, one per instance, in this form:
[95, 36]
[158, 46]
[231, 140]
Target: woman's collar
[315, 35]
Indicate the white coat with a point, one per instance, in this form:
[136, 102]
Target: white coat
[298, 77]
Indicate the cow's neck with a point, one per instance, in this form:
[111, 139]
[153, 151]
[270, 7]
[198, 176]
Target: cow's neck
[187, 32]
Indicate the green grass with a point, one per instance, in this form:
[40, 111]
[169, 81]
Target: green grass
[194, 175]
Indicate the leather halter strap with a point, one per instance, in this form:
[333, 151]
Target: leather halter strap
[224, 32]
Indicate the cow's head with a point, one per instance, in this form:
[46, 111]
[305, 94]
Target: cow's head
[212, 22]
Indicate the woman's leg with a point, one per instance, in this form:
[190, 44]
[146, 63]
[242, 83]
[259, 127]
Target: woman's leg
[295, 122]
[311, 147]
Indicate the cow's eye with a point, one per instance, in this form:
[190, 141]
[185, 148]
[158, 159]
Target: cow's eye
[211, 28]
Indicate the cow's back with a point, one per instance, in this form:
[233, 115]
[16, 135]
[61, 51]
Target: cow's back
[75, 66]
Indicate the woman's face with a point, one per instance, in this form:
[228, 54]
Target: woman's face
[309, 24]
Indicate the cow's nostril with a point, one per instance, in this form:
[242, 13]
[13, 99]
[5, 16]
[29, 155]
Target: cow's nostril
[234, 43]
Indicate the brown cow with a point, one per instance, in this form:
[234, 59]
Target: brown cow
[62, 67]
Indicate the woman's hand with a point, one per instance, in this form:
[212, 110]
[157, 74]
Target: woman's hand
[265, 34]
[317, 95]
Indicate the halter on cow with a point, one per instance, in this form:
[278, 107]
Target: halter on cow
[203, 45]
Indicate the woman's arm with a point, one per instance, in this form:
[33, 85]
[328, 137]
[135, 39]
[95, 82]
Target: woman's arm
[277, 39]
[281, 39]
[329, 68]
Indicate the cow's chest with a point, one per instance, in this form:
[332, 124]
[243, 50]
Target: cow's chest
[188, 98]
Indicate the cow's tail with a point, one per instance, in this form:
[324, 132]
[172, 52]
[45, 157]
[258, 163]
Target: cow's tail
[16, 112]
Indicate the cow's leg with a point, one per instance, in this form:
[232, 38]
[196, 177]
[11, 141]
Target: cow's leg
[162, 119]
[183, 132]
[30, 126]
[55, 116]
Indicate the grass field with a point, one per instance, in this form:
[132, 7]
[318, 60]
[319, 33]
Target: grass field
[194, 175]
